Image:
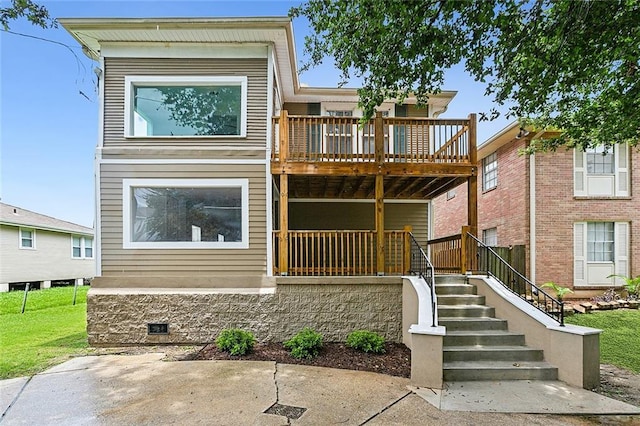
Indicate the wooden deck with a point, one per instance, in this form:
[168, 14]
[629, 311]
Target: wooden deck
[324, 157]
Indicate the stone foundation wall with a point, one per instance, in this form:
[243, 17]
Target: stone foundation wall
[116, 317]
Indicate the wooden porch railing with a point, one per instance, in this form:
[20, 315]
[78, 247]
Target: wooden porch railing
[453, 254]
[348, 253]
[310, 138]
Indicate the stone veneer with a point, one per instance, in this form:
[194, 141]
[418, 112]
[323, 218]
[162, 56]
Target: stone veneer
[332, 306]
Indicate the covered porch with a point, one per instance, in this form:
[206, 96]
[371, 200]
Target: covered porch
[386, 160]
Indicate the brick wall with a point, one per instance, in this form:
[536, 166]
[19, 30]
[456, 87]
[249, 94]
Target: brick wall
[557, 210]
[120, 318]
[504, 207]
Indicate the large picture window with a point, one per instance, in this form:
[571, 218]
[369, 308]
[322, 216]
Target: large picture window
[185, 106]
[186, 213]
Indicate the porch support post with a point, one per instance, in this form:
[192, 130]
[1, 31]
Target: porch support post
[472, 181]
[407, 249]
[379, 193]
[464, 250]
[284, 225]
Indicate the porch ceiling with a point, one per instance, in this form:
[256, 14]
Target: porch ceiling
[363, 187]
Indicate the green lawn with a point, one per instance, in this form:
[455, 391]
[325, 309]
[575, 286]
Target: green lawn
[51, 329]
[620, 339]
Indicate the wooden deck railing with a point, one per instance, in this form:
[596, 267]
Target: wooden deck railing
[345, 139]
[315, 253]
[446, 253]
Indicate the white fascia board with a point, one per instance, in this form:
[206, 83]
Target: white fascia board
[184, 50]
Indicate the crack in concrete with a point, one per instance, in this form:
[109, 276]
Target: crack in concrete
[16, 398]
[386, 408]
[289, 412]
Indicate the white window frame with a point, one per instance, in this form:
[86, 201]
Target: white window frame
[619, 177]
[581, 264]
[131, 81]
[485, 164]
[33, 238]
[129, 184]
[83, 247]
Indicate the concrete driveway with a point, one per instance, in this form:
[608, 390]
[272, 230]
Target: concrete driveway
[144, 390]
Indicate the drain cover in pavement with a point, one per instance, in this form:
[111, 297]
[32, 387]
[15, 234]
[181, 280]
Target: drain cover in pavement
[286, 410]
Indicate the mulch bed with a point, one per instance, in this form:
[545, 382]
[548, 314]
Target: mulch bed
[396, 361]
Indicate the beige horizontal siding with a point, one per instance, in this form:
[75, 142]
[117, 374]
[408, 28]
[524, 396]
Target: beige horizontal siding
[117, 261]
[116, 69]
[359, 216]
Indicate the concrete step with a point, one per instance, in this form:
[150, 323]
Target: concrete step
[483, 338]
[498, 370]
[453, 288]
[465, 311]
[491, 353]
[450, 279]
[460, 299]
[474, 323]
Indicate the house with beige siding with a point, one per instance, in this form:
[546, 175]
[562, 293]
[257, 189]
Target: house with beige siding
[576, 212]
[42, 250]
[228, 194]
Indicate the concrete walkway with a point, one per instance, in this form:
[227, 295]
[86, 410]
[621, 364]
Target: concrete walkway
[144, 390]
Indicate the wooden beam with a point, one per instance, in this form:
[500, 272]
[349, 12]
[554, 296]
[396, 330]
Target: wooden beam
[412, 185]
[284, 225]
[357, 185]
[326, 187]
[392, 184]
[342, 187]
[472, 181]
[380, 224]
[370, 169]
[284, 136]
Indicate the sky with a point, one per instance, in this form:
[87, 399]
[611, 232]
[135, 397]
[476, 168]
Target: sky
[49, 109]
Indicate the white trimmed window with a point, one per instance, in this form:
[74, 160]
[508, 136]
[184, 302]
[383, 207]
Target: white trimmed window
[81, 247]
[190, 106]
[185, 213]
[27, 238]
[490, 237]
[602, 172]
[490, 172]
[600, 250]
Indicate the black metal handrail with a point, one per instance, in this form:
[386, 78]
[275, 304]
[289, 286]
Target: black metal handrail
[492, 264]
[421, 266]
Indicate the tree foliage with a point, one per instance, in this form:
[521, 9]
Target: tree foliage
[562, 64]
[35, 13]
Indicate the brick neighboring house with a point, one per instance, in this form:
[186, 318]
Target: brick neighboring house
[585, 221]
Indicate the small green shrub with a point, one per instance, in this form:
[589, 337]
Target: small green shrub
[366, 341]
[306, 344]
[560, 290]
[235, 341]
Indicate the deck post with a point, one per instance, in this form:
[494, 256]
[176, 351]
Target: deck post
[407, 250]
[379, 194]
[284, 224]
[284, 136]
[472, 181]
[464, 252]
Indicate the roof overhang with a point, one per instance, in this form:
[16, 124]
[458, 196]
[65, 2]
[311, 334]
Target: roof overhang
[510, 133]
[94, 34]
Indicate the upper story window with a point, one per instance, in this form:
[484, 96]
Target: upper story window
[81, 247]
[602, 171]
[185, 213]
[27, 238]
[490, 172]
[185, 106]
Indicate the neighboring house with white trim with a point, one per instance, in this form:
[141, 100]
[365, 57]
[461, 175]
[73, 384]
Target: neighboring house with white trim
[41, 250]
[577, 213]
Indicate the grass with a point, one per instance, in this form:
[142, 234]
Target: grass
[620, 339]
[51, 330]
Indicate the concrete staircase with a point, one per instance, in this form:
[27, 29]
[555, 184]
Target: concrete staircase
[479, 346]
